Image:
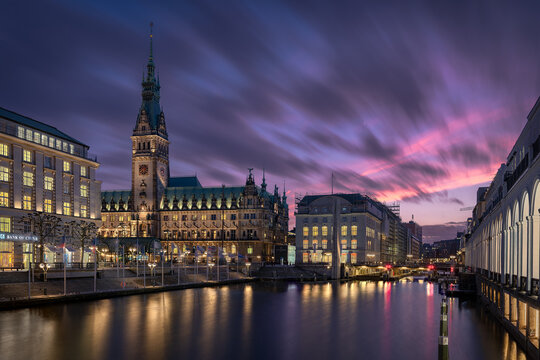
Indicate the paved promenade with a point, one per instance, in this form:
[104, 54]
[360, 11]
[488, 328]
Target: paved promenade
[14, 287]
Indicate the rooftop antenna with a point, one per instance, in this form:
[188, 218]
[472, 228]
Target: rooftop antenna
[332, 183]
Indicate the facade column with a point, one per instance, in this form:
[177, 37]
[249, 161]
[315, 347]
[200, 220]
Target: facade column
[511, 237]
[519, 253]
[489, 256]
[504, 251]
[530, 255]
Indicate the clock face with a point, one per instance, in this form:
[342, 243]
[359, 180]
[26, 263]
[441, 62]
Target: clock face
[143, 169]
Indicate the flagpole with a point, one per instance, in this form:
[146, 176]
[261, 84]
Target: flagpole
[144, 268]
[117, 262]
[95, 265]
[64, 258]
[123, 266]
[137, 256]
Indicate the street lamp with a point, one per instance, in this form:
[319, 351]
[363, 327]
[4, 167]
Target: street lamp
[45, 267]
[248, 264]
[211, 265]
[152, 266]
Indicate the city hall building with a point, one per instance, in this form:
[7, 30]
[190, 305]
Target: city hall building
[44, 170]
[178, 211]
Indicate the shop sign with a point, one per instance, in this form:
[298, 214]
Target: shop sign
[18, 237]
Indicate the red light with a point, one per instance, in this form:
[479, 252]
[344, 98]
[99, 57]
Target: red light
[431, 267]
[452, 269]
[388, 267]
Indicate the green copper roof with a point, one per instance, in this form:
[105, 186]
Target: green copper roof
[37, 125]
[184, 181]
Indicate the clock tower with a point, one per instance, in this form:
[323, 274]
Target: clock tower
[150, 152]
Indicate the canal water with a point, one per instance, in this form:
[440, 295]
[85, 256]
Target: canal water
[355, 320]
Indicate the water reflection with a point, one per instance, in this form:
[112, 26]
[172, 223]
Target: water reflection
[369, 320]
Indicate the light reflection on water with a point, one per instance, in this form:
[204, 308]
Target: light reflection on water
[366, 320]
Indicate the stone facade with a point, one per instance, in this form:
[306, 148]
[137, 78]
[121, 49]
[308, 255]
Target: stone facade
[179, 212]
[42, 170]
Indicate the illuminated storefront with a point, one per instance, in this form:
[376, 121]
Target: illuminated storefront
[16, 250]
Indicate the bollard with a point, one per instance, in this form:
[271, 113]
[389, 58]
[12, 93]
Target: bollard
[443, 331]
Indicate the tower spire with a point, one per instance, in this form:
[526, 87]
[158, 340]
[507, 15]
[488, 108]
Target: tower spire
[151, 35]
[263, 185]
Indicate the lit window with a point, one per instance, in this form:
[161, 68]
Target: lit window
[67, 208]
[5, 224]
[354, 244]
[306, 244]
[47, 205]
[64, 146]
[315, 244]
[71, 149]
[306, 231]
[58, 144]
[51, 142]
[250, 250]
[29, 135]
[4, 173]
[175, 217]
[27, 202]
[67, 166]
[203, 217]
[27, 156]
[325, 244]
[343, 258]
[84, 192]
[315, 231]
[20, 132]
[4, 198]
[354, 230]
[83, 211]
[368, 246]
[305, 257]
[28, 178]
[344, 230]
[83, 171]
[325, 231]
[4, 150]
[44, 140]
[370, 232]
[344, 244]
[354, 258]
[233, 249]
[37, 137]
[49, 183]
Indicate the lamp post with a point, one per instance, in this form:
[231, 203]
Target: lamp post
[144, 272]
[248, 264]
[152, 266]
[211, 265]
[162, 262]
[45, 267]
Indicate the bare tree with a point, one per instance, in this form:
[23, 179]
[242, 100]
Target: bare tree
[83, 231]
[43, 225]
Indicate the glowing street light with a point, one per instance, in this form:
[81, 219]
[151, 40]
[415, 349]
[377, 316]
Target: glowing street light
[152, 266]
[248, 264]
[45, 267]
[211, 265]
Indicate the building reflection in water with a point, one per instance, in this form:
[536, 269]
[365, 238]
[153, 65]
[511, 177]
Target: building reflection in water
[371, 320]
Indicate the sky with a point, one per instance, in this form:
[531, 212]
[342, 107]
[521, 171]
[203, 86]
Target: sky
[417, 102]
